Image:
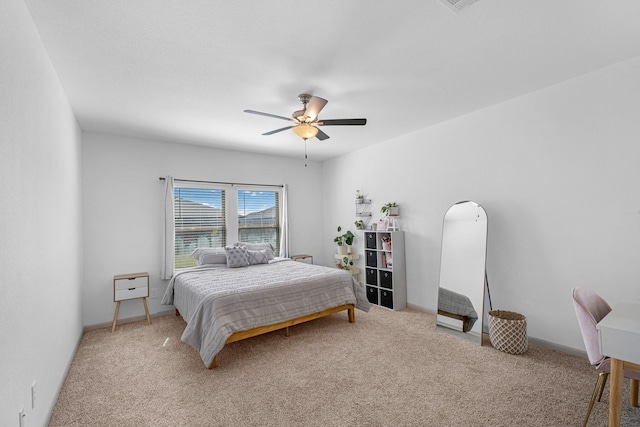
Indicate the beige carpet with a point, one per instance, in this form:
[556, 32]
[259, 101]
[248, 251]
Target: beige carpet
[387, 369]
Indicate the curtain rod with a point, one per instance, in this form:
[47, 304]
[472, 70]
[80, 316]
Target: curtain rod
[162, 178]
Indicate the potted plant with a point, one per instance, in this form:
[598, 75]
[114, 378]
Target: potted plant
[345, 264]
[359, 197]
[344, 241]
[390, 209]
[359, 224]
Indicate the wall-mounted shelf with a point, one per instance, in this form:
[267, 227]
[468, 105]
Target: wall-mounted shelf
[363, 212]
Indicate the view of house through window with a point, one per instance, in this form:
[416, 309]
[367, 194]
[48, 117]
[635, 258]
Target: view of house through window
[202, 219]
[199, 222]
[258, 217]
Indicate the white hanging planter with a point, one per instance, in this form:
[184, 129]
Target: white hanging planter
[343, 249]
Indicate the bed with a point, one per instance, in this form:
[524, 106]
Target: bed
[457, 306]
[222, 305]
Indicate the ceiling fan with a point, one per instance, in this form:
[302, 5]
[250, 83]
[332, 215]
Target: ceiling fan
[306, 121]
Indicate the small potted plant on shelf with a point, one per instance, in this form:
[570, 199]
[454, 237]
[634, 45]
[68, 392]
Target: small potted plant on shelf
[359, 224]
[359, 197]
[344, 264]
[344, 241]
[390, 209]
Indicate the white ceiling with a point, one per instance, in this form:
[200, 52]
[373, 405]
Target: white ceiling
[184, 70]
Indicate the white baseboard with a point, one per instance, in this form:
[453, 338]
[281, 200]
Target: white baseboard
[128, 320]
[537, 341]
[420, 308]
[64, 377]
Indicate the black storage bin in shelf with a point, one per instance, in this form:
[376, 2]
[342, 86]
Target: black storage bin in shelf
[371, 241]
[372, 259]
[372, 276]
[386, 298]
[386, 279]
[372, 295]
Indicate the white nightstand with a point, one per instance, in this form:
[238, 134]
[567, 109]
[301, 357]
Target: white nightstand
[301, 256]
[130, 286]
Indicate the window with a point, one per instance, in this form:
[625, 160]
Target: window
[259, 217]
[214, 215]
[200, 221]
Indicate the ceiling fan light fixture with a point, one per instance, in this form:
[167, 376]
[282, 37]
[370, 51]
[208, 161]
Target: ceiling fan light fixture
[305, 131]
[299, 116]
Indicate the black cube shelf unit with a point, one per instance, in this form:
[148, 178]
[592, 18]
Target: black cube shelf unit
[385, 277]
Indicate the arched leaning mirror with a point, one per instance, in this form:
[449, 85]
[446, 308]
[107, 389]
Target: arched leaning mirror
[461, 294]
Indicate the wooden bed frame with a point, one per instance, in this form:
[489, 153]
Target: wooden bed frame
[241, 335]
[463, 319]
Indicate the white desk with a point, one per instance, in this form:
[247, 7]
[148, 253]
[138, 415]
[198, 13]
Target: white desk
[620, 340]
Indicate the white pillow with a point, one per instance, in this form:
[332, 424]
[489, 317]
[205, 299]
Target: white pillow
[236, 256]
[209, 256]
[259, 257]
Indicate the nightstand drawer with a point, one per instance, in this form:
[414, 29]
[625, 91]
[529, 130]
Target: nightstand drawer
[129, 286]
[122, 294]
[136, 282]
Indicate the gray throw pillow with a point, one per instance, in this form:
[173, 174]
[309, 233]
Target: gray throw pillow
[258, 257]
[236, 257]
[257, 247]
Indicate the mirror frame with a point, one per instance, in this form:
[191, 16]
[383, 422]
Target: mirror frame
[452, 254]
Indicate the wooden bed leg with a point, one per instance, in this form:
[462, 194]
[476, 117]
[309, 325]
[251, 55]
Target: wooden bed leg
[286, 331]
[213, 363]
[633, 387]
[352, 315]
[177, 312]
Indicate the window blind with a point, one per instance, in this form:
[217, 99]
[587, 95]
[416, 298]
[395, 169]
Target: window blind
[200, 221]
[259, 217]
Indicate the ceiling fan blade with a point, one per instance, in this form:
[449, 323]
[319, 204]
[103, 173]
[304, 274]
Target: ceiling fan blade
[269, 115]
[315, 105]
[277, 130]
[343, 122]
[321, 135]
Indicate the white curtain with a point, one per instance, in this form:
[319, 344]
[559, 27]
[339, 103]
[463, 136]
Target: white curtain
[284, 222]
[168, 236]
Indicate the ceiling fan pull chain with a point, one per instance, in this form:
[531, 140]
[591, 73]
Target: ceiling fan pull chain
[305, 153]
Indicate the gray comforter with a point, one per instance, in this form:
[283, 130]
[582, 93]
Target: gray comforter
[217, 302]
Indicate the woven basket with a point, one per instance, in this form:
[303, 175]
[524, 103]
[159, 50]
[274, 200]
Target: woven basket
[508, 331]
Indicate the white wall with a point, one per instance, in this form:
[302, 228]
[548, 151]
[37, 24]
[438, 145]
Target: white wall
[558, 172]
[40, 220]
[123, 205]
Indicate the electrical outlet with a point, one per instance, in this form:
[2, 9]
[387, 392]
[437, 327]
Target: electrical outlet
[153, 294]
[21, 416]
[33, 395]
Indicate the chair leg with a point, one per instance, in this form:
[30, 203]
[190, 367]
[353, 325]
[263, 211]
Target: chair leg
[597, 391]
[605, 376]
